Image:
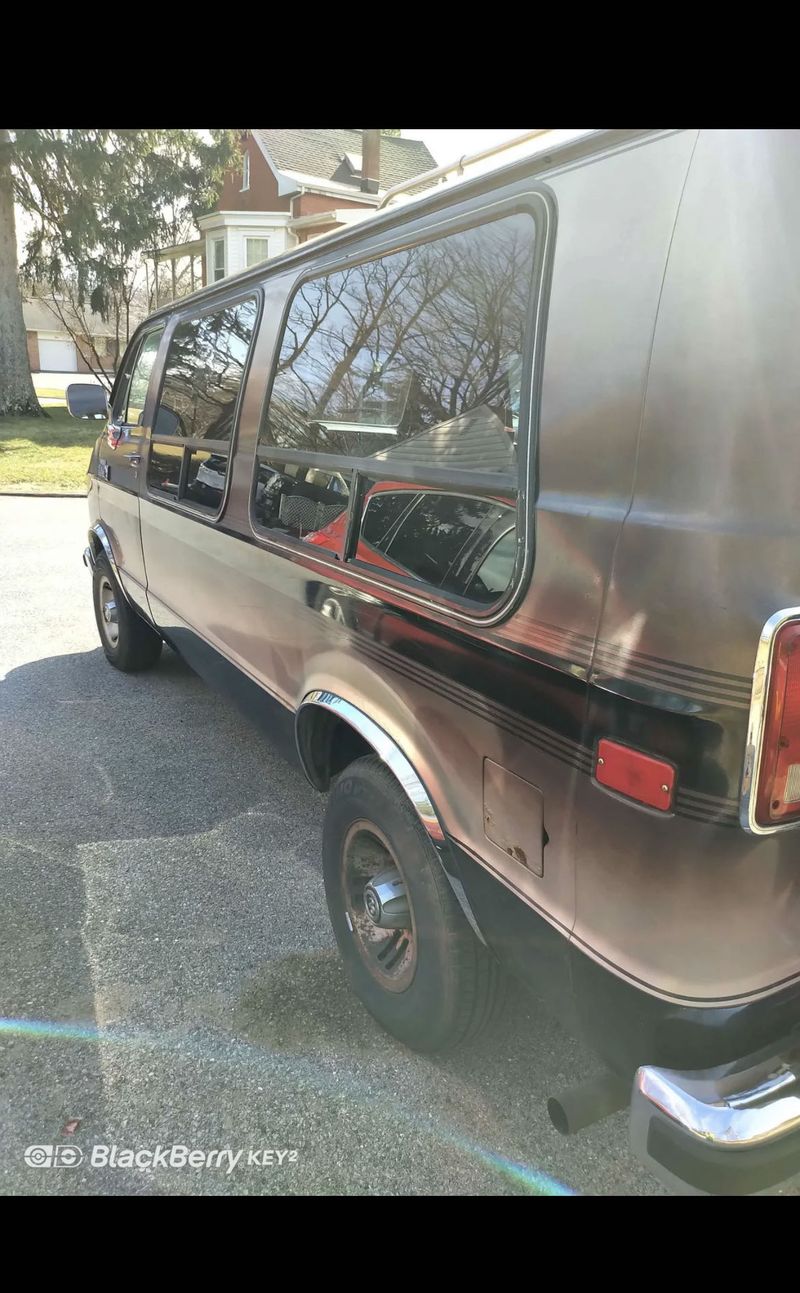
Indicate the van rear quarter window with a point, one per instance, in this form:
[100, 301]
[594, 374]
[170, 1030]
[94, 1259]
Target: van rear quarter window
[405, 373]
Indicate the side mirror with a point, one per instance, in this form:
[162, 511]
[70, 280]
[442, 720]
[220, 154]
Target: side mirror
[87, 400]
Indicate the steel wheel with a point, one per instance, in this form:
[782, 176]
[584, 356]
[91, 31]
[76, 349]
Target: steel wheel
[408, 950]
[109, 612]
[377, 908]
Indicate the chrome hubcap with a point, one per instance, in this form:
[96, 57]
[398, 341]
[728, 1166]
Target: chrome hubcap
[332, 610]
[108, 612]
[386, 902]
[377, 907]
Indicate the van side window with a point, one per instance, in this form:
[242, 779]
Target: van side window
[434, 538]
[196, 413]
[406, 371]
[130, 400]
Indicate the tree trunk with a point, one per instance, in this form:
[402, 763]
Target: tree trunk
[17, 395]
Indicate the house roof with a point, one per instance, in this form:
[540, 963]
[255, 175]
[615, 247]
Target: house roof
[41, 317]
[474, 440]
[323, 154]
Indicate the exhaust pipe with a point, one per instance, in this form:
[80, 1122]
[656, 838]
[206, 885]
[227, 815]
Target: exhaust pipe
[580, 1106]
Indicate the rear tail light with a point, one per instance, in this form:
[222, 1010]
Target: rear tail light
[777, 793]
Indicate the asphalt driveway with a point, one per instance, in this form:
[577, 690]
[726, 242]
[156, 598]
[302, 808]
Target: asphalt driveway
[167, 972]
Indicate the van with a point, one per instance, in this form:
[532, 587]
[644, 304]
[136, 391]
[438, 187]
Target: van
[486, 509]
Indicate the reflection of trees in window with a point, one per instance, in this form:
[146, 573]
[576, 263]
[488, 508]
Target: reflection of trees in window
[204, 370]
[401, 344]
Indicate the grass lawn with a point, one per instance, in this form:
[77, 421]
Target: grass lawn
[46, 455]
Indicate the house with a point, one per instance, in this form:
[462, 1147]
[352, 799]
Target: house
[52, 346]
[292, 186]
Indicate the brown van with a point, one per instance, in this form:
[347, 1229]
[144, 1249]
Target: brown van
[486, 508]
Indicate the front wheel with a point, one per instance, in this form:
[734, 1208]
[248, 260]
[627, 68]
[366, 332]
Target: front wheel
[128, 642]
[409, 953]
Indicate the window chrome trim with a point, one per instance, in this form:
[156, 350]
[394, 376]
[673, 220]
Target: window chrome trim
[539, 204]
[755, 725]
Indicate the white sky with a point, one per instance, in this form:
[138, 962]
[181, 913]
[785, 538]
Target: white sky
[448, 145]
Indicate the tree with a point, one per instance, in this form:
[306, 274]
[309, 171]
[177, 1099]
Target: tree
[17, 395]
[99, 199]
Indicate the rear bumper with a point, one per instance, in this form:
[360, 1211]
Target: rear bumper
[734, 1129]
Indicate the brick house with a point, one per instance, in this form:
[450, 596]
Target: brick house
[293, 185]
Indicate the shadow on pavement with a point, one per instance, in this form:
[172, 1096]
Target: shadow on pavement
[163, 903]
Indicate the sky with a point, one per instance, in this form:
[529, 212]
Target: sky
[447, 145]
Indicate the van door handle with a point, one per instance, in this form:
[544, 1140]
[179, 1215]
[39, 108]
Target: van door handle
[133, 458]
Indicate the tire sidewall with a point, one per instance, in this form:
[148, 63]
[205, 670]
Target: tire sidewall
[102, 570]
[419, 1015]
[138, 645]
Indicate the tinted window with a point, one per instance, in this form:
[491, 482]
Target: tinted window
[495, 570]
[415, 356]
[164, 468]
[196, 414]
[137, 379]
[404, 375]
[205, 478]
[203, 373]
[305, 502]
[438, 538]
[431, 541]
[383, 509]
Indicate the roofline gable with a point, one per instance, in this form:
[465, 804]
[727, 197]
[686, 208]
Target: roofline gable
[286, 185]
[291, 182]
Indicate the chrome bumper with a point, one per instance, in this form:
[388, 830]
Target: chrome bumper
[88, 559]
[728, 1130]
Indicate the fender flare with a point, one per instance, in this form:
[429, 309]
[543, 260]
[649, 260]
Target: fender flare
[97, 535]
[404, 773]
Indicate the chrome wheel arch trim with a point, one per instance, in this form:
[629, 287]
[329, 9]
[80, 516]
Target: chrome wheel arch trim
[755, 724]
[403, 771]
[97, 532]
[383, 745]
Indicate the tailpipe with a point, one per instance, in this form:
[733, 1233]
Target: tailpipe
[580, 1106]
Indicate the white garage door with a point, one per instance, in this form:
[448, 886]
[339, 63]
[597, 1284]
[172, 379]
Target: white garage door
[57, 356]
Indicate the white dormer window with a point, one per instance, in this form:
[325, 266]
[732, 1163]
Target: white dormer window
[245, 172]
[354, 162]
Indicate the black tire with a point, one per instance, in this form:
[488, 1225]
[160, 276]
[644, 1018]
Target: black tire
[129, 643]
[455, 984]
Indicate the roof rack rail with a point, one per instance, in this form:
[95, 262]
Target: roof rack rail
[467, 159]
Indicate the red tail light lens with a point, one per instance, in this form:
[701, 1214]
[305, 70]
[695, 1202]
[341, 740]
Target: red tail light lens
[778, 797]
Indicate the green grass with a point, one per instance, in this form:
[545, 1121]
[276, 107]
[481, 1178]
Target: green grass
[45, 455]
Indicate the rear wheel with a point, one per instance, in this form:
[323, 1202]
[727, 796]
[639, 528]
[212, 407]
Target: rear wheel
[409, 952]
[128, 642]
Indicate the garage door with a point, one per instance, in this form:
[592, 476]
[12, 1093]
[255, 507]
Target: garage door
[57, 356]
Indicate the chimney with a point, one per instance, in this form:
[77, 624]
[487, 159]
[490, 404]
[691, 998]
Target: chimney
[370, 160]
